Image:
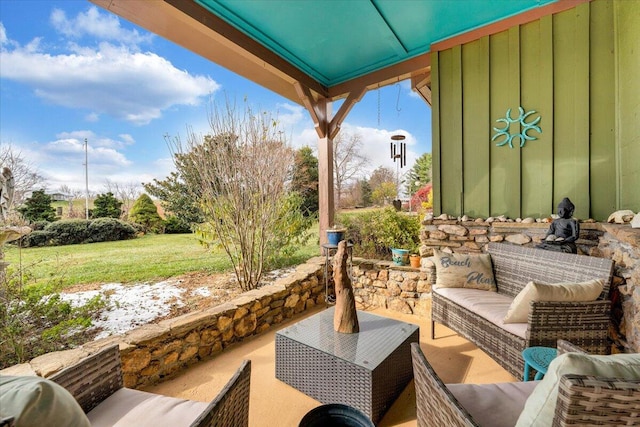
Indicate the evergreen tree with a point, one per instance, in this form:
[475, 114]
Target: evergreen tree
[38, 207]
[305, 180]
[420, 174]
[366, 192]
[145, 213]
[106, 206]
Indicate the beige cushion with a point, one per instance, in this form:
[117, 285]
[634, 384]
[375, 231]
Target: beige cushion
[127, 407]
[35, 401]
[583, 291]
[492, 306]
[464, 271]
[540, 407]
[495, 405]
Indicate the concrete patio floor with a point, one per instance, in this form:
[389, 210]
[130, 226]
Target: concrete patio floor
[276, 404]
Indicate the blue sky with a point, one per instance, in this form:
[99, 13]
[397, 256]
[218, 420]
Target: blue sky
[70, 70]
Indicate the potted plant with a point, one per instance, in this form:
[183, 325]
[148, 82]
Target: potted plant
[415, 259]
[335, 234]
[400, 256]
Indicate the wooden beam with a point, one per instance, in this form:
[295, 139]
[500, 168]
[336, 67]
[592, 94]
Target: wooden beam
[505, 24]
[383, 77]
[353, 98]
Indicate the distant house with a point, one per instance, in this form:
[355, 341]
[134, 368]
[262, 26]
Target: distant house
[60, 197]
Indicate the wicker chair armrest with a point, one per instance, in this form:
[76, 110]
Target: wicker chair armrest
[585, 324]
[230, 408]
[435, 405]
[593, 400]
[565, 346]
[94, 378]
[571, 310]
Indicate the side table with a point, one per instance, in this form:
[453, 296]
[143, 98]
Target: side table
[329, 251]
[537, 358]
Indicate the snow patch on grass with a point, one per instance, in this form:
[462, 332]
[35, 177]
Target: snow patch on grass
[130, 306]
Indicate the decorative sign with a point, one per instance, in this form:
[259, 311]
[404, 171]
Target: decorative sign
[526, 127]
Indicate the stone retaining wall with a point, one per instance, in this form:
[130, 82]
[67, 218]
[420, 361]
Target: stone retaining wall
[157, 351]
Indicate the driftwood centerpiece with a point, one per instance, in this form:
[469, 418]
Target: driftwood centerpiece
[345, 318]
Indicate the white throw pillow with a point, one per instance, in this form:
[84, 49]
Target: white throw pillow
[576, 292]
[540, 407]
[464, 271]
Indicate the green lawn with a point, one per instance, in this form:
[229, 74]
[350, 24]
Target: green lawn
[148, 258]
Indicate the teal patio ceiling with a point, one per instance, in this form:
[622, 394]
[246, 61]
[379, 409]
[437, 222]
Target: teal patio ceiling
[334, 41]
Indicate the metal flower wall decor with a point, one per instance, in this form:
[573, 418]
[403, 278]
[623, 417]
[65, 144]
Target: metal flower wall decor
[525, 127]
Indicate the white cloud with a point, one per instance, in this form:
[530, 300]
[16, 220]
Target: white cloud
[95, 24]
[3, 35]
[292, 116]
[118, 81]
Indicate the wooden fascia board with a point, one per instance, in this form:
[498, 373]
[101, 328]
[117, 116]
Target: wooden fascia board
[246, 43]
[385, 76]
[505, 24]
[169, 21]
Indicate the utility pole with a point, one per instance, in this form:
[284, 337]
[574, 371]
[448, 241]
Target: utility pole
[86, 179]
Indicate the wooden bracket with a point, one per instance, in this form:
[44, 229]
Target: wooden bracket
[354, 97]
[318, 111]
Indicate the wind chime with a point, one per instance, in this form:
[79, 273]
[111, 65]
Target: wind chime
[399, 156]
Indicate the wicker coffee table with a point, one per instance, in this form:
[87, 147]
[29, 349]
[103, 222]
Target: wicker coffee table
[367, 370]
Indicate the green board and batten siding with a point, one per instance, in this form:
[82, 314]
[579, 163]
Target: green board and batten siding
[627, 22]
[561, 66]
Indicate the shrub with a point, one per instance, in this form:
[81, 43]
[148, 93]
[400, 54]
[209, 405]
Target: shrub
[39, 225]
[109, 229]
[423, 198]
[374, 233]
[174, 225]
[35, 320]
[36, 238]
[69, 232]
[145, 213]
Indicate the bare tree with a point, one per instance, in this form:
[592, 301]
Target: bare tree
[25, 174]
[243, 169]
[348, 161]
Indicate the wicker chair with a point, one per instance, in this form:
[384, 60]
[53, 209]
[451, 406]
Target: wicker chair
[96, 378]
[582, 399]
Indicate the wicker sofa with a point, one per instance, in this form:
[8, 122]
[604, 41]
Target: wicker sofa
[97, 385]
[585, 324]
[582, 399]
